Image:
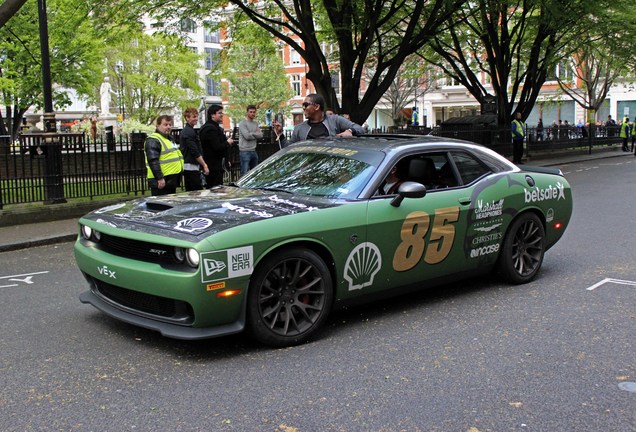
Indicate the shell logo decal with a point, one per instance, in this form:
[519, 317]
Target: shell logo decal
[193, 224]
[363, 263]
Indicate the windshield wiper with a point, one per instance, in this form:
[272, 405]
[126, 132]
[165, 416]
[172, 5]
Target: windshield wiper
[272, 189]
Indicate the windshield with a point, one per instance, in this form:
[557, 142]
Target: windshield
[311, 173]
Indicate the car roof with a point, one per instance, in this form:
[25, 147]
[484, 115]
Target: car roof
[389, 143]
[394, 145]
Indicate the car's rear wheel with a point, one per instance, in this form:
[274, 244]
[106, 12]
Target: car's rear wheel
[523, 249]
[290, 296]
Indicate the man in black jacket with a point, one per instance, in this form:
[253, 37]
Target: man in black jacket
[215, 145]
[192, 152]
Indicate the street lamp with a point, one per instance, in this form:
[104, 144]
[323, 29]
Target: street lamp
[53, 180]
[119, 66]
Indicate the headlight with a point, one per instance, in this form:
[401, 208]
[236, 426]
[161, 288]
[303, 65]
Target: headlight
[192, 257]
[179, 254]
[86, 232]
[90, 234]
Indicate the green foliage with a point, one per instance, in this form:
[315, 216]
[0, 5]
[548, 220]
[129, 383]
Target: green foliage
[256, 74]
[76, 54]
[153, 75]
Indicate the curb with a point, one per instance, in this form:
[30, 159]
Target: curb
[53, 212]
[39, 242]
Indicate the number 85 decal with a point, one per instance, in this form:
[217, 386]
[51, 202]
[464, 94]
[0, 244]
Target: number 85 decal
[415, 228]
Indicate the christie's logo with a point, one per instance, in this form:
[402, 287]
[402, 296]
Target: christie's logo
[550, 193]
[487, 238]
[489, 209]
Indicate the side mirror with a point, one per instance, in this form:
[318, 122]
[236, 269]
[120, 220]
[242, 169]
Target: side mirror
[408, 189]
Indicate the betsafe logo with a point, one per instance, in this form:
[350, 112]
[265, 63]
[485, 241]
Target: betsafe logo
[550, 193]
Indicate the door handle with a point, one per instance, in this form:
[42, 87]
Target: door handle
[465, 201]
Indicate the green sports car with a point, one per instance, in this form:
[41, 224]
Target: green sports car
[318, 225]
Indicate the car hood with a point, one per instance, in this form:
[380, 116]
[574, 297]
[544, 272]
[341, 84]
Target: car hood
[205, 212]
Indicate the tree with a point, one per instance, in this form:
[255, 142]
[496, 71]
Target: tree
[412, 80]
[153, 74]
[514, 43]
[600, 59]
[379, 34]
[75, 64]
[9, 8]
[256, 74]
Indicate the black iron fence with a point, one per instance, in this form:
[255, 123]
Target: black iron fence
[115, 165]
[110, 165]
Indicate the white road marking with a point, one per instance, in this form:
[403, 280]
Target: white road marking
[26, 278]
[20, 275]
[610, 280]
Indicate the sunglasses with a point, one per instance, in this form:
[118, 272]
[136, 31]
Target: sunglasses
[306, 104]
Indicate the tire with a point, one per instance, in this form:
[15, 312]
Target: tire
[523, 249]
[289, 298]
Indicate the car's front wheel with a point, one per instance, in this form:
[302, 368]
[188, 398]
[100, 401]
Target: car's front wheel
[290, 296]
[523, 249]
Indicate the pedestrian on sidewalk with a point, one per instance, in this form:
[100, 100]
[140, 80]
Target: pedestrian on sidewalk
[249, 134]
[518, 135]
[318, 124]
[624, 133]
[633, 130]
[215, 145]
[164, 161]
[190, 146]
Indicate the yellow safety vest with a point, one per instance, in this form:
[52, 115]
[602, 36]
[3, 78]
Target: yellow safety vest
[518, 128]
[170, 159]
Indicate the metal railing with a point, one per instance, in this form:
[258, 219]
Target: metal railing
[116, 166]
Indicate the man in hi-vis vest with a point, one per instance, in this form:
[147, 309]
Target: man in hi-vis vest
[164, 161]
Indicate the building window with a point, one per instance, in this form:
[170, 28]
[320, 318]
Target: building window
[295, 57]
[335, 81]
[210, 32]
[188, 25]
[212, 88]
[296, 84]
[211, 57]
[564, 72]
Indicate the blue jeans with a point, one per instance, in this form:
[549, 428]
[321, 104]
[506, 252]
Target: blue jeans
[249, 159]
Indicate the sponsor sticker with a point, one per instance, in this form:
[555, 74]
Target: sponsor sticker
[363, 263]
[193, 224]
[549, 217]
[227, 264]
[215, 286]
[488, 209]
[549, 193]
[484, 250]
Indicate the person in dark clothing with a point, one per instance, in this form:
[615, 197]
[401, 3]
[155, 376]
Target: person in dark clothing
[214, 144]
[192, 152]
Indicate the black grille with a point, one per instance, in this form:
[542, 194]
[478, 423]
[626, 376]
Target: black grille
[170, 310]
[137, 249]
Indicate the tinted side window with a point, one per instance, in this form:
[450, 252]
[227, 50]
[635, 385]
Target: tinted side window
[469, 168]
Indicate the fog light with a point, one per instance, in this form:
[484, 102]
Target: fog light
[97, 236]
[193, 257]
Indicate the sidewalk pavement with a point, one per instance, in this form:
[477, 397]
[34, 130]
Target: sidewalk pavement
[57, 223]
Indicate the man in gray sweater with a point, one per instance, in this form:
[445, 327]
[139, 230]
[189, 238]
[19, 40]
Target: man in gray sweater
[249, 133]
[318, 124]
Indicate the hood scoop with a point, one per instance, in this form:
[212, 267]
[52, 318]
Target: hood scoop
[158, 206]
